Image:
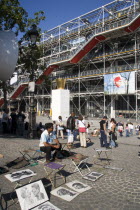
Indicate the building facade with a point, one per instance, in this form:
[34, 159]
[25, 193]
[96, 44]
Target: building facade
[98, 54]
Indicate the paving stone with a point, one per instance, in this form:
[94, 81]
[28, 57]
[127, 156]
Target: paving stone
[114, 190]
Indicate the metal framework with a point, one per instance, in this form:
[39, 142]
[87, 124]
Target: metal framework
[83, 50]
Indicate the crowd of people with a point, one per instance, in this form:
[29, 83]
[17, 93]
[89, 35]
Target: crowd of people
[13, 123]
[79, 129]
[74, 129]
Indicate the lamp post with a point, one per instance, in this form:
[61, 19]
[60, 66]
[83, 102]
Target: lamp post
[32, 34]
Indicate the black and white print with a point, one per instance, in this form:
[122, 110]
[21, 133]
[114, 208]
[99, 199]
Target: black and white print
[78, 186]
[64, 193]
[46, 206]
[31, 195]
[92, 176]
[18, 175]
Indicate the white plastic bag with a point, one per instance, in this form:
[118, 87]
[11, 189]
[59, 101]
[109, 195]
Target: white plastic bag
[70, 138]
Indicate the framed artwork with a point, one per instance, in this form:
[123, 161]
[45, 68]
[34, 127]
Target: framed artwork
[78, 186]
[92, 176]
[46, 206]
[18, 175]
[31, 195]
[64, 193]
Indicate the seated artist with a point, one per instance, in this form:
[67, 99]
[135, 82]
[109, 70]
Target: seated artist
[46, 142]
[95, 132]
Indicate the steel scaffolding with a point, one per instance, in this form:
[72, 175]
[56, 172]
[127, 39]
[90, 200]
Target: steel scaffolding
[84, 50]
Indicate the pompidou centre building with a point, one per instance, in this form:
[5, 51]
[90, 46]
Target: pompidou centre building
[98, 54]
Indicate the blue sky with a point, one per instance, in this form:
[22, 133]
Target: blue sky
[58, 12]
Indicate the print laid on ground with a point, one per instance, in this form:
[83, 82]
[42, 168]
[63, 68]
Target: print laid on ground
[64, 193]
[78, 186]
[31, 195]
[92, 176]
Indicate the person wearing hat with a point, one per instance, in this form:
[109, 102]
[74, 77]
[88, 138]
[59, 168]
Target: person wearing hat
[103, 132]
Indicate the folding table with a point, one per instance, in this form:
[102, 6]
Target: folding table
[52, 169]
[79, 163]
[103, 151]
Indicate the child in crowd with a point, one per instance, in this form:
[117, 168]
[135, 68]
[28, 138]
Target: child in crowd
[95, 132]
[127, 130]
[54, 128]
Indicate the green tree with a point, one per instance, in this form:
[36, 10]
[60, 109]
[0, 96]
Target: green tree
[14, 17]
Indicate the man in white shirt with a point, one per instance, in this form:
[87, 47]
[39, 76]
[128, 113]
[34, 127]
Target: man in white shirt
[46, 141]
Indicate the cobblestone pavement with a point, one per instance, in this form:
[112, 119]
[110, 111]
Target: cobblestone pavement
[114, 190]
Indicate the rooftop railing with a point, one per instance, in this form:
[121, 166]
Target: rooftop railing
[95, 25]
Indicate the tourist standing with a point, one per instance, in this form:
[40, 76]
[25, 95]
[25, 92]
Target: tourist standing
[71, 126]
[127, 130]
[5, 119]
[131, 128]
[112, 133]
[13, 116]
[88, 135]
[82, 131]
[60, 127]
[137, 129]
[20, 123]
[103, 132]
[120, 128]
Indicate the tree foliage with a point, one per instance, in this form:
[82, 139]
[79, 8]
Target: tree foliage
[14, 17]
[28, 59]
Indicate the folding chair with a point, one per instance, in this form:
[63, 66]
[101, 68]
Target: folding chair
[39, 152]
[79, 162]
[52, 170]
[27, 154]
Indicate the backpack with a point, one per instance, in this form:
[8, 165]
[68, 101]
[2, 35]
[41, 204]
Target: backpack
[62, 154]
[3, 170]
[20, 119]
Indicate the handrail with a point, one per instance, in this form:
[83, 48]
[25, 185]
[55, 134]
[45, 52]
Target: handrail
[100, 72]
[67, 55]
